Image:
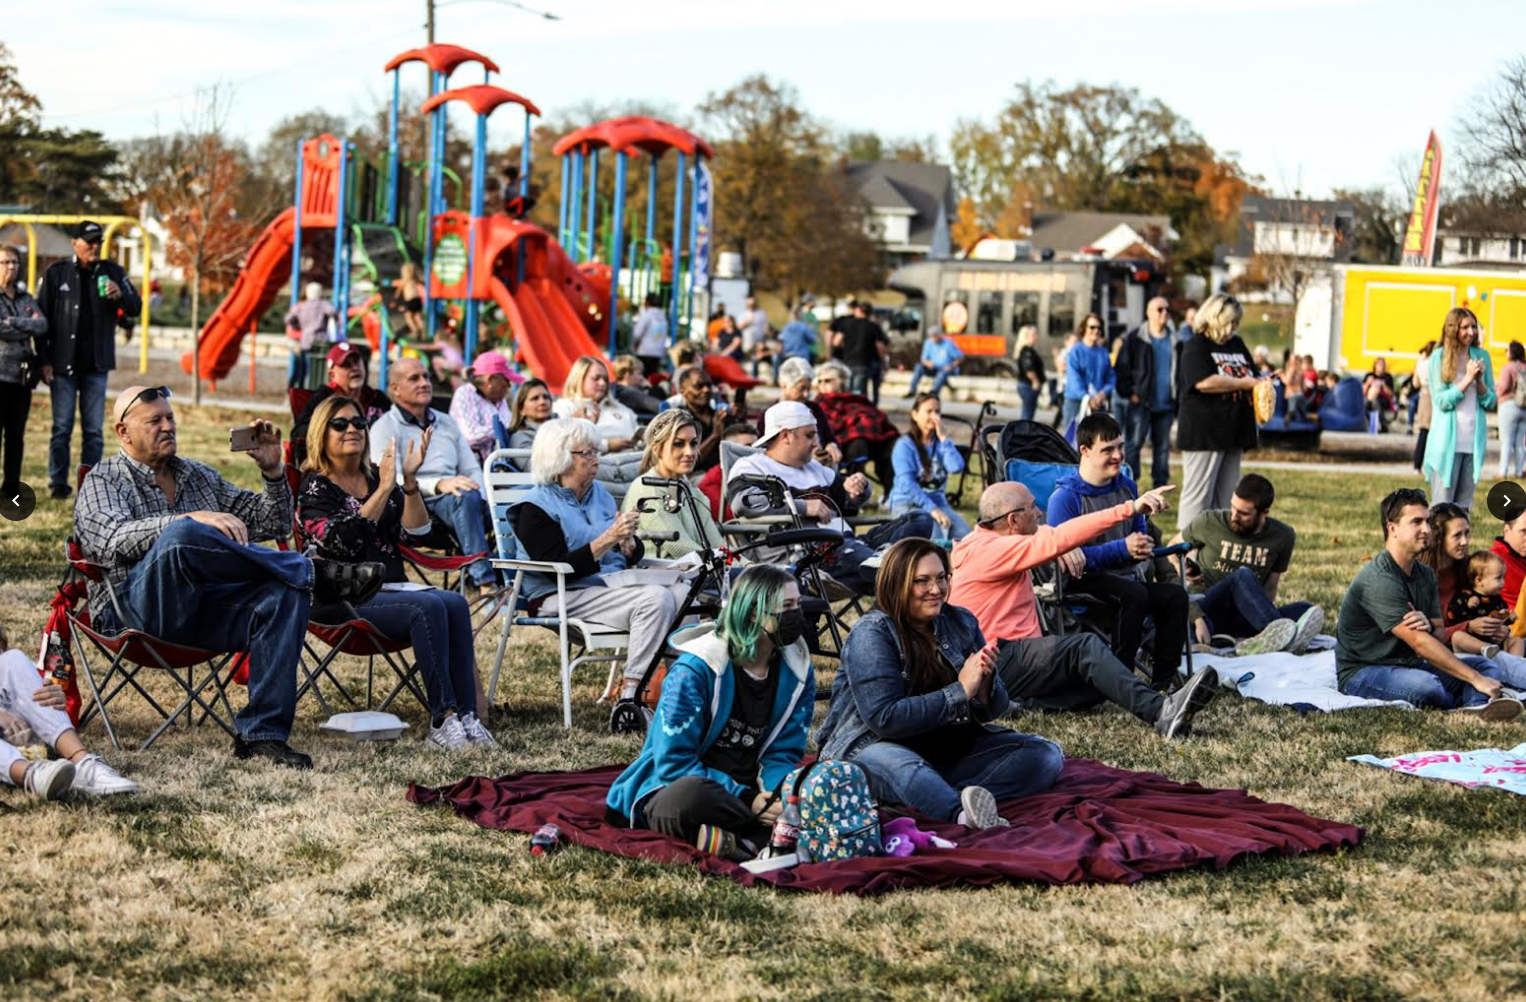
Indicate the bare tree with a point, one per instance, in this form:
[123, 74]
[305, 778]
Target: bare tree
[1495, 131]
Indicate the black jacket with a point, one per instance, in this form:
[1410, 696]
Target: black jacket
[1135, 366]
[58, 294]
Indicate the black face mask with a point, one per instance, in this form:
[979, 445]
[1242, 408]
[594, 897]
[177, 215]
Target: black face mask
[792, 625]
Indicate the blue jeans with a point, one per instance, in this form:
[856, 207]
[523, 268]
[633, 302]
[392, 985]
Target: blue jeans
[199, 588]
[1512, 439]
[1427, 686]
[1237, 605]
[1068, 411]
[90, 390]
[1029, 395]
[960, 529]
[463, 513]
[1134, 420]
[940, 377]
[438, 624]
[846, 562]
[1008, 763]
[858, 379]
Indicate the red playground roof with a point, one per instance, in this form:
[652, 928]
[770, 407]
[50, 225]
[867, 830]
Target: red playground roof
[482, 98]
[633, 133]
[441, 58]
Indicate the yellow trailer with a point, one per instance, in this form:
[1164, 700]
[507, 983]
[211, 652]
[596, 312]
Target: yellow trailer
[1364, 312]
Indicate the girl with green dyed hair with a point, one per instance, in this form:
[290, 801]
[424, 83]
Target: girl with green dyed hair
[731, 723]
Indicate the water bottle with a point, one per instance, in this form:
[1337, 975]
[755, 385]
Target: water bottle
[786, 829]
[546, 840]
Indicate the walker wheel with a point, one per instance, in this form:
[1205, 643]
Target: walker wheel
[629, 717]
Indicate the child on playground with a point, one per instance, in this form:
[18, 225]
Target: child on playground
[1481, 596]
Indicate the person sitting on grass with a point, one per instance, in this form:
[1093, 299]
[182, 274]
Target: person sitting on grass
[1075, 671]
[353, 511]
[730, 726]
[1390, 642]
[174, 541]
[672, 446]
[1118, 557]
[914, 698]
[32, 713]
[1479, 596]
[1242, 553]
[923, 459]
[1446, 556]
[1510, 546]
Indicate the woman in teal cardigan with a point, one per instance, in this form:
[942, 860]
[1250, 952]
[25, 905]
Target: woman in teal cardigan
[1462, 394]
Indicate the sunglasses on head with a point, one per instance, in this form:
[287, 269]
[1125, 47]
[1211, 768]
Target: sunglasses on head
[147, 396]
[343, 425]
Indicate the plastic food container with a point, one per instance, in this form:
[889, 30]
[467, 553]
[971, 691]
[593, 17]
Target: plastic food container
[365, 725]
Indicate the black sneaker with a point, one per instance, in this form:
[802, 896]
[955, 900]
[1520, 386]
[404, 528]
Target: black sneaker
[278, 752]
[1176, 713]
[59, 492]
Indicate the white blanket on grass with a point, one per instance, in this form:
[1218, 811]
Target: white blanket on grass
[1491, 767]
[1288, 678]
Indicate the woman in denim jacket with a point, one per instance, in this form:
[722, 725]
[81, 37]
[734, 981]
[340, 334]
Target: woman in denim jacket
[914, 695]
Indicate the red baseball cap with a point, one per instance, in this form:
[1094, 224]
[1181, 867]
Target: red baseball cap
[342, 352]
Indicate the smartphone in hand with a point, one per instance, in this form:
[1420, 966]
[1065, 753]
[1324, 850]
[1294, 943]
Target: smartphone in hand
[243, 439]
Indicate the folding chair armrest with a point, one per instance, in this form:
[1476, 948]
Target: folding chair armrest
[538, 566]
[439, 563]
[857, 520]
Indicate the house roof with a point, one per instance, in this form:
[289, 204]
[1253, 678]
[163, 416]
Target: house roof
[1260, 208]
[1068, 232]
[896, 185]
[52, 242]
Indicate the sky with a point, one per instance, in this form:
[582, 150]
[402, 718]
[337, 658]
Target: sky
[1310, 95]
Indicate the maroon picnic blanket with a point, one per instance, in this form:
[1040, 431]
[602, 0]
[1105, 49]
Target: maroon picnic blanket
[1097, 825]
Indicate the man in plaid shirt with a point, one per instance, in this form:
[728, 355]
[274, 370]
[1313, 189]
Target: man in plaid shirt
[174, 539]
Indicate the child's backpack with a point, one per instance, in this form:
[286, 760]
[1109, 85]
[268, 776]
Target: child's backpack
[838, 816]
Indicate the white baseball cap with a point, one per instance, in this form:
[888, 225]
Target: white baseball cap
[782, 416]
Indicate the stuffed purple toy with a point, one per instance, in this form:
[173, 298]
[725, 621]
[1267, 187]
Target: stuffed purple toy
[902, 837]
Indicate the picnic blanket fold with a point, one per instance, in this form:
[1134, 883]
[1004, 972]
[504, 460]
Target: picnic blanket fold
[1098, 825]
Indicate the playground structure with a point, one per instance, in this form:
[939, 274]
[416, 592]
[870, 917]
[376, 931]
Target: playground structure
[110, 224]
[557, 305]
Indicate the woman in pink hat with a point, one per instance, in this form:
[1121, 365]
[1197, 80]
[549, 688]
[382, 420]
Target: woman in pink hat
[485, 396]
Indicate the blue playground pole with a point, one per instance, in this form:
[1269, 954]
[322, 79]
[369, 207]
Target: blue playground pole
[296, 257]
[678, 242]
[340, 227]
[593, 201]
[392, 150]
[575, 203]
[436, 179]
[614, 262]
[693, 241]
[561, 209]
[479, 184]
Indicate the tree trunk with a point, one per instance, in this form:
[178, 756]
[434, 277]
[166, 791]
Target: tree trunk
[196, 332]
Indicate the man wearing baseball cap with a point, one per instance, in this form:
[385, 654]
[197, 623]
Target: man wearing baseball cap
[347, 371]
[81, 298]
[813, 492]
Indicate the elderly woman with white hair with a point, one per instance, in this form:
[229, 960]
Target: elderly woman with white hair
[568, 517]
[1216, 419]
[796, 378]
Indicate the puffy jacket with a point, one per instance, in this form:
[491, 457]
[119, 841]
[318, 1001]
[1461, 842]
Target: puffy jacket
[59, 296]
[696, 703]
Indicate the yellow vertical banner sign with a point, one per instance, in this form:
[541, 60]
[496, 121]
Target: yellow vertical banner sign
[1420, 235]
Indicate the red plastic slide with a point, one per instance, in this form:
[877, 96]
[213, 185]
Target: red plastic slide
[265, 271]
[547, 328]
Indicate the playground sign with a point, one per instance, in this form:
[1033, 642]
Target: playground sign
[450, 260]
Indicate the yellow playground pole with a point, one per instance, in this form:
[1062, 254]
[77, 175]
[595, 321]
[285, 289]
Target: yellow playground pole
[111, 224]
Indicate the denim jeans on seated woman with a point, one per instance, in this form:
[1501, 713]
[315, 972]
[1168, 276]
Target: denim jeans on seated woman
[439, 626]
[1008, 763]
[1431, 687]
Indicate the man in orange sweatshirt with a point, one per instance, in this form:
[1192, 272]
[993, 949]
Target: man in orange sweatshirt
[1074, 672]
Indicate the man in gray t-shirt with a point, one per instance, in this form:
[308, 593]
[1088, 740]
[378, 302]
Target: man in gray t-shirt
[1241, 553]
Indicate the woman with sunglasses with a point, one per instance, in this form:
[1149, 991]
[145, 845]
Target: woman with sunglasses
[1089, 374]
[353, 512]
[914, 696]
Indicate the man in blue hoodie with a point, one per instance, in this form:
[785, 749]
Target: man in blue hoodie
[1116, 560]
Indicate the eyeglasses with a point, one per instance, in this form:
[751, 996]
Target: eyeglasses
[147, 396]
[1015, 511]
[343, 425]
[926, 584]
[585, 453]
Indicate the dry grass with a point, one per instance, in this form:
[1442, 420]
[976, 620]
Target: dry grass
[227, 880]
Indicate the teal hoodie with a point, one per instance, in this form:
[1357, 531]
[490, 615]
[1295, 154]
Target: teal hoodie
[1442, 443]
[695, 705]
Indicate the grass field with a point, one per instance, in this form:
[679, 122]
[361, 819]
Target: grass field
[226, 880]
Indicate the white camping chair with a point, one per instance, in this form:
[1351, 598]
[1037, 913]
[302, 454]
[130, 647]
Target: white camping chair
[593, 643]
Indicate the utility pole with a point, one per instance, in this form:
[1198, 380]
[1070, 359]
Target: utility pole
[429, 21]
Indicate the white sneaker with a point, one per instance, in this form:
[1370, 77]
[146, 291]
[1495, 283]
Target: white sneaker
[979, 809]
[450, 735]
[1276, 636]
[48, 779]
[1308, 627]
[476, 732]
[93, 776]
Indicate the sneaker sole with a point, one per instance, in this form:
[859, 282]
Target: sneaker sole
[979, 807]
[1308, 631]
[1496, 711]
[1201, 689]
[1271, 640]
